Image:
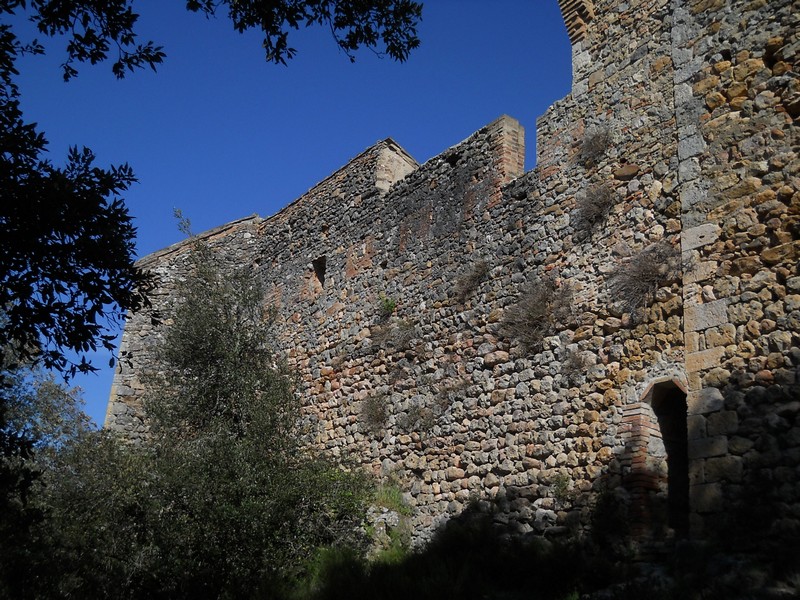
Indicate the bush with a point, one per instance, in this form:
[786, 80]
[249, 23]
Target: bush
[539, 311]
[395, 335]
[386, 306]
[594, 145]
[470, 281]
[420, 419]
[221, 501]
[634, 283]
[592, 206]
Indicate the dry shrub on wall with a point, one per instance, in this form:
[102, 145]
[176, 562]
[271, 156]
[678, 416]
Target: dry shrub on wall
[419, 419]
[396, 335]
[594, 145]
[470, 281]
[541, 308]
[634, 283]
[592, 206]
[375, 413]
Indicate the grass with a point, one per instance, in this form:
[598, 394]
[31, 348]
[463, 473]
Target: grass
[386, 306]
[390, 496]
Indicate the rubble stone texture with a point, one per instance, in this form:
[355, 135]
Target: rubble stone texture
[686, 409]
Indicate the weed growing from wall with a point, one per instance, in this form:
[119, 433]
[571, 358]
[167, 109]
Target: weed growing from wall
[469, 282]
[539, 311]
[594, 145]
[634, 283]
[562, 490]
[390, 496]
[592, 207]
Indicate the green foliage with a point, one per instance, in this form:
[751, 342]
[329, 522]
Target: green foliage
[561, 488]
[471, 558]
[67, 269]
[221, 501]
[397, 550]
[386, 306]
[96, 29]
[222, 375]
[390, 496]
[542, 307]
[38, 417]
[67, 272]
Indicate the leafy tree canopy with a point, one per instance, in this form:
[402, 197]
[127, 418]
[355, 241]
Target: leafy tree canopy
[221, 501]
[67, 271]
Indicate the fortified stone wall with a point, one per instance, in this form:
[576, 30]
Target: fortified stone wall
[622, 319]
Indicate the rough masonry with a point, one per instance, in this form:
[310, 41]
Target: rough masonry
[660, 230]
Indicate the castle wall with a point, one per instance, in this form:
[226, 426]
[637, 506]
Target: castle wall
[677, 297]
[738, 99]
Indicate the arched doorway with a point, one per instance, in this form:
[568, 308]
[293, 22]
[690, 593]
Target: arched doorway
[657, 459]
[669, 405]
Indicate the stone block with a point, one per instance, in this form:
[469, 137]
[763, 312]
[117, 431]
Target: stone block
[701, 271]
[706, 497]
[724, 468]
[705, 401]
[691, 146]
[723, 423]
[697, 472]
[708, 447]
[703, 316]
[705, 359]
[699, 236]
[696, 427]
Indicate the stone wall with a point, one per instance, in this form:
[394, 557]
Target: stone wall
[621, 319]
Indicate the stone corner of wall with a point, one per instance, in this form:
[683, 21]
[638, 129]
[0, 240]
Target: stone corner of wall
[507, 137]
[392, 164]
[577, 14]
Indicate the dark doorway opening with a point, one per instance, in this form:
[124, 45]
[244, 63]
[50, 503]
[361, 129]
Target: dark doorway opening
[669, 405]
[319, 265]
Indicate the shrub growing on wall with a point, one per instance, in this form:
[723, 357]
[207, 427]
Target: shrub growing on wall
[469, 282]
[634, 283]
[594, 145]
[592, 206]
[541, 307]
[375, 414]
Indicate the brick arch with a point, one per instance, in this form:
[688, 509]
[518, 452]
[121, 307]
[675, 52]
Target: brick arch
[656, 461]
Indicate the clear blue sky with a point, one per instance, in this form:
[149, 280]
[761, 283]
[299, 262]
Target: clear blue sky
[221, 134]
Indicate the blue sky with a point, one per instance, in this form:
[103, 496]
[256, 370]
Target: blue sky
[221, 134]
